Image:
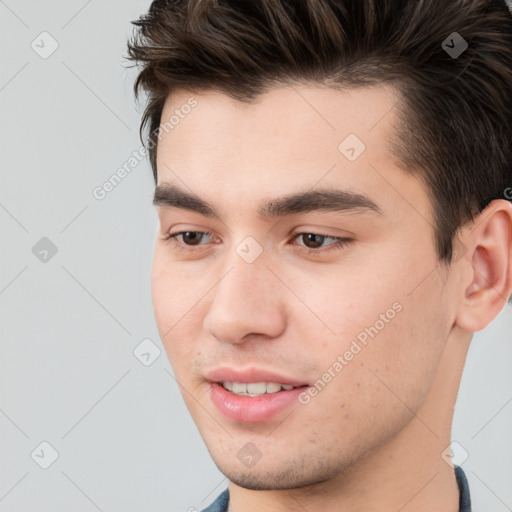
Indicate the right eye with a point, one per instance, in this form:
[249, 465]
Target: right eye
[194, 237]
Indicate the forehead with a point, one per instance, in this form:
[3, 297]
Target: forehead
[286, 113]
[291, 138]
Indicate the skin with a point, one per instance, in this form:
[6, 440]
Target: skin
[372, 439]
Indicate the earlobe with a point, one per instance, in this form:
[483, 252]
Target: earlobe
[487, 285]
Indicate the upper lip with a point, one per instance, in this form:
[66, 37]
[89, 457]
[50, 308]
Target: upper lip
[252, 374]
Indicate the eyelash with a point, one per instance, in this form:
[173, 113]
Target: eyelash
[339, 244]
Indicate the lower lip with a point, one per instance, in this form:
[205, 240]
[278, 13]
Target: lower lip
[249, 409]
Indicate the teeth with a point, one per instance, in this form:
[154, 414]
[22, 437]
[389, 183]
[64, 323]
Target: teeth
[272, 387]
[255, 388]
[239, 387]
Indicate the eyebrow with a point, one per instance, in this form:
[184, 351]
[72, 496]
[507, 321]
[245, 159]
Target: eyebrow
[317, 200]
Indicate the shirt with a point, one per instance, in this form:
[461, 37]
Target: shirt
[222, 501]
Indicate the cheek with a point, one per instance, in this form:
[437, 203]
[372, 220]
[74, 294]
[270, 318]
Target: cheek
[339, 305]
[177, 308]
[386, 350]
[364, 400]
[401, 361]
[176, 288]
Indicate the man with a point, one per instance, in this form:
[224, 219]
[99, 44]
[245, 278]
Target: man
[332, 182]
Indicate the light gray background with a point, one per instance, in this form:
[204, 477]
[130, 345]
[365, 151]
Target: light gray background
[69, 325]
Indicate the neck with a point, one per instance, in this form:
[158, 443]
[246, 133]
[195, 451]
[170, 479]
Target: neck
[408, 474]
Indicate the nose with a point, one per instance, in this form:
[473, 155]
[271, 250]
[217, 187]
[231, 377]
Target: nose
[248, 300]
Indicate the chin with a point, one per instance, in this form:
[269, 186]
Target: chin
[281, 475]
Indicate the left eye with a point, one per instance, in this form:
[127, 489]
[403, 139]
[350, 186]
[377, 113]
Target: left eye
[315, 238]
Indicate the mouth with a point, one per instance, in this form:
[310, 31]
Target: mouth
[253, 389]
[251, 394]
[242, 406]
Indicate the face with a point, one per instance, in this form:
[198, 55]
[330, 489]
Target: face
[340, 296]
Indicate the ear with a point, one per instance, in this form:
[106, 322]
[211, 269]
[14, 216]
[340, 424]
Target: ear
[486, 267]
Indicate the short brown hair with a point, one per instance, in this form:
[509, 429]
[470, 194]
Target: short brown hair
[455, 121]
